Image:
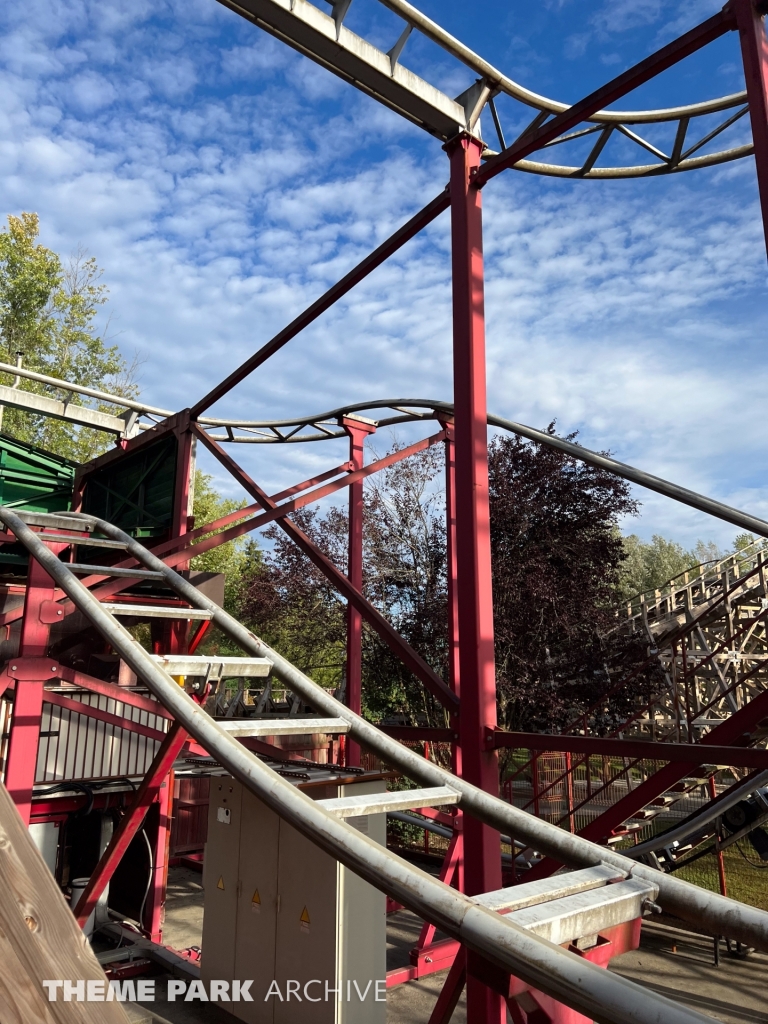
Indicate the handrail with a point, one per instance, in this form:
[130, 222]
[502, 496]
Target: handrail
[564, 976]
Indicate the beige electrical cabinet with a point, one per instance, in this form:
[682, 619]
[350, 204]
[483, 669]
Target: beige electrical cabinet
[282, 913]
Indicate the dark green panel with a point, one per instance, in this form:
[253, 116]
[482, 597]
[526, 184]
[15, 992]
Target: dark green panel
[136, 491]
[32, 480]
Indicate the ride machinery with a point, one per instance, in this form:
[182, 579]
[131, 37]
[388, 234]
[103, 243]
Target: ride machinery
[107, 708]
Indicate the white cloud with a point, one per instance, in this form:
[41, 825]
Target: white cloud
[224, 183]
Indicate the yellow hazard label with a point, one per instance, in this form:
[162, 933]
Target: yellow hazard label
[304, 919]
[256, 902]
[220, 883]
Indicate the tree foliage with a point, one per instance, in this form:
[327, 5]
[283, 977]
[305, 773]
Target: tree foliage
[48, 314]
[556, 557]
[294, 607]
[649, 565]
[290, 603]
[405, 578]
[233, 558]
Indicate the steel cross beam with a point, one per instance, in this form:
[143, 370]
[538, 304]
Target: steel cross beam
[376, 620]
[77, 707]
[735, 756]
[131, 823]
[711, 29]
[404, 234]
[731, 730]
[182, 550]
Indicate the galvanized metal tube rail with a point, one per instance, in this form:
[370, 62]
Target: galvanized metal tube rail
[503, 83]
[636, 476]
[708, 814]
[717, 914]
[593, 991]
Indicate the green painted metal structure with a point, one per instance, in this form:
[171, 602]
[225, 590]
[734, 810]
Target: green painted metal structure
[32, 480]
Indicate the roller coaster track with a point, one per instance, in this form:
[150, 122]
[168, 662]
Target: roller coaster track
[538, 962]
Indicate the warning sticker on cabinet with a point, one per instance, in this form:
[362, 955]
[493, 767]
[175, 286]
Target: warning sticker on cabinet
[256, 902]
[304, 920]
[220, 883]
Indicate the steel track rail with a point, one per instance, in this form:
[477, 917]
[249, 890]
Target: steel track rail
[591, 990]
[504, 83]
[701, 502]
[717, 914]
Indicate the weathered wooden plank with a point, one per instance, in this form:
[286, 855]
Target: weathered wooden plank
[20, 1000]
[39, 927]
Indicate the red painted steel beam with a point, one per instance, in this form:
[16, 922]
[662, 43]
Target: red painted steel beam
[89, 711]
[482, 859]
[115, 586]
[386, 631]
[345, 467]
[754, 53]
[23, 746]
[407, 734]
[716, 26]
[45, 808]
[120, 693]
[450, 993]
[733, 729]
[278, 511]
[357, 431]
[736, 757]
[404, 234]
[131, 823]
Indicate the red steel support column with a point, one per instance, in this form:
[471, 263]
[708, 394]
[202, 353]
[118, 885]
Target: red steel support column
[358, 429]
[454, 673]
[154, 913]
[754, 53]
[177, 631]
[482, 854]
[28, 697]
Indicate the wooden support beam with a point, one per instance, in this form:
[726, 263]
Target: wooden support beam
[36, 923]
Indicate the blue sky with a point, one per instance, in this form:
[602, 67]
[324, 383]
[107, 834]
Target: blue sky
[224, 182]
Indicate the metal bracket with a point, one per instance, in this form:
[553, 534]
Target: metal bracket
[473, 100]
[51, 611]
[33, 668]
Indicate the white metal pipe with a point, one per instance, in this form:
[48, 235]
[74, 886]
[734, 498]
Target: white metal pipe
[718, 914]
[605, 997]
[501, 81]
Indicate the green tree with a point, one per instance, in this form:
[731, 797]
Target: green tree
[649, 565]
[48, 313]
[235, 558]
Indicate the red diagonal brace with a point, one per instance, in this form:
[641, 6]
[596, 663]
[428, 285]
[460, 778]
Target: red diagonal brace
[733, 729]
[123, 694]
[451, 864]
[78, 707]
[716, 26]
[60, 608]
[387, 632]
[451, 991]
[409, 230]
[129, 826]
